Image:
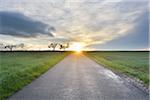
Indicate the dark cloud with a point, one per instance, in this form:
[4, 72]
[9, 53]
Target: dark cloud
[17, 24]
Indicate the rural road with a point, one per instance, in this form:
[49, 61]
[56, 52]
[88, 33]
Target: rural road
[79, 78]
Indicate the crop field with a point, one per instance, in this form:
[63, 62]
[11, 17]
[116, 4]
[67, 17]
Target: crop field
[135, 64]
[18, 69]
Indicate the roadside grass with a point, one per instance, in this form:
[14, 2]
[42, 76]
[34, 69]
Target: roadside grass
[135, 64]
[18, 69]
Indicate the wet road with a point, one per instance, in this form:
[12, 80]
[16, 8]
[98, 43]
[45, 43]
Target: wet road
[79, 78]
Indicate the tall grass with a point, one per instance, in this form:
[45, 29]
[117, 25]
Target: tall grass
[18, 69]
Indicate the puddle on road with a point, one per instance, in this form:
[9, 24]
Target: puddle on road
[109, 74]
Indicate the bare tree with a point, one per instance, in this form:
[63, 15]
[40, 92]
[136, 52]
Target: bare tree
[64, 46]
[52, 45]
[13, 46]
[10, 47]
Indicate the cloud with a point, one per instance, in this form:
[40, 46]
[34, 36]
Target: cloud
[17, 24]
[92, 22]
[138, 37]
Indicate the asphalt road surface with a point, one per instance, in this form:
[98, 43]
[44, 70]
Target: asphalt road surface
[79, 78]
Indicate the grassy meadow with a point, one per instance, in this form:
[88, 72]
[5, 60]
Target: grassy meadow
[134, 64]
[18, 69]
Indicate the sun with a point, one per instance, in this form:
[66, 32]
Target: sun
[77, 47]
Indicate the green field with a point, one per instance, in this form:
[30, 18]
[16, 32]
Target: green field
[134, 64]
[18, 69]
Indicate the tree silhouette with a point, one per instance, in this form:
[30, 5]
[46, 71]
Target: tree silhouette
[52, 45]
[13, 46]
[64, 46]
[10, 47]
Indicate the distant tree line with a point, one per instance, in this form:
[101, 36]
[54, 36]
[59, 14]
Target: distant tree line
[22, 45]
[11, 46]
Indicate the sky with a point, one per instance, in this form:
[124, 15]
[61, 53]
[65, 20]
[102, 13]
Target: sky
[92, 24]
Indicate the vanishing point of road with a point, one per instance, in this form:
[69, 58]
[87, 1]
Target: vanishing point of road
[79, 78]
